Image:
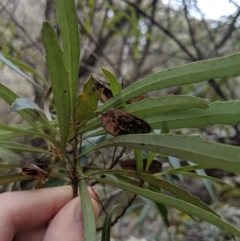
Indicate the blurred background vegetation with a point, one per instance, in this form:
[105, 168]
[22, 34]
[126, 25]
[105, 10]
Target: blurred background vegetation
[134, 39]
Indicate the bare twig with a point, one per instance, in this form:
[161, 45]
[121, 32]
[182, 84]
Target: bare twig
[191, 31]
[166, 31]
[22, 29]
[130, 201]
[228, 33]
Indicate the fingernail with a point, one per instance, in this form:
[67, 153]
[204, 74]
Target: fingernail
[78, 214]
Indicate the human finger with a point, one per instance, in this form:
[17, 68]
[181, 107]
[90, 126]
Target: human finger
[68, 223]
[27, 210]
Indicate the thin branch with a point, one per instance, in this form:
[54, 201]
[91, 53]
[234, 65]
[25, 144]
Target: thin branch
[229, 31]
[166, 31]
[130, 201]
[191, 31]
[22, 29]
[113, 164]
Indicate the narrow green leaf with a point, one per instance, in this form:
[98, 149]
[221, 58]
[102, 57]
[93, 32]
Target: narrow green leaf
[138, 159]
[6, 134]
[175, 203]
[213, 179]
[27, 68]
[162, 208]
[16, 69]
[150, 159]
[88, 214]
[167, 186]
[196, 72]
[30, 132]
[11, 156]
[68, 22]
[180, 169]
[60, 176]
[5, 179]
[115, 85]
[165, 104]
[106, 232]
[87, 101]
[194, 148]
[4, 167]
[59, 79]
[217, 113]
[21, 147]
[205, 181]
[175, 163]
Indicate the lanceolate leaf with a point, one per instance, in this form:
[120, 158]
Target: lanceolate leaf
[10, 156]
[186, 74]
[175, 203]
[193, 148]
[27, 68]
[5, 179]
[6, 134]
[88, 214]
[66, 13]
[59, 79]
[138, 159]
[115, 85]
[106, 232]
[165, 104]
[217, 113]
[173, 189]
[34, 133]
[15, 68]
[21, 147]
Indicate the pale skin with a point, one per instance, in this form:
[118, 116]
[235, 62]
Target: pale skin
[49, 214]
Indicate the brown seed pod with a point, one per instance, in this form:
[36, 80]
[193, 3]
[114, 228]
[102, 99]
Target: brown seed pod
[118, 122]
[38, 170]
[130, 164]
[105, 87]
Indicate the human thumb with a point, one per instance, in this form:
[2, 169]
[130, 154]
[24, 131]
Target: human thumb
[68, 223]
